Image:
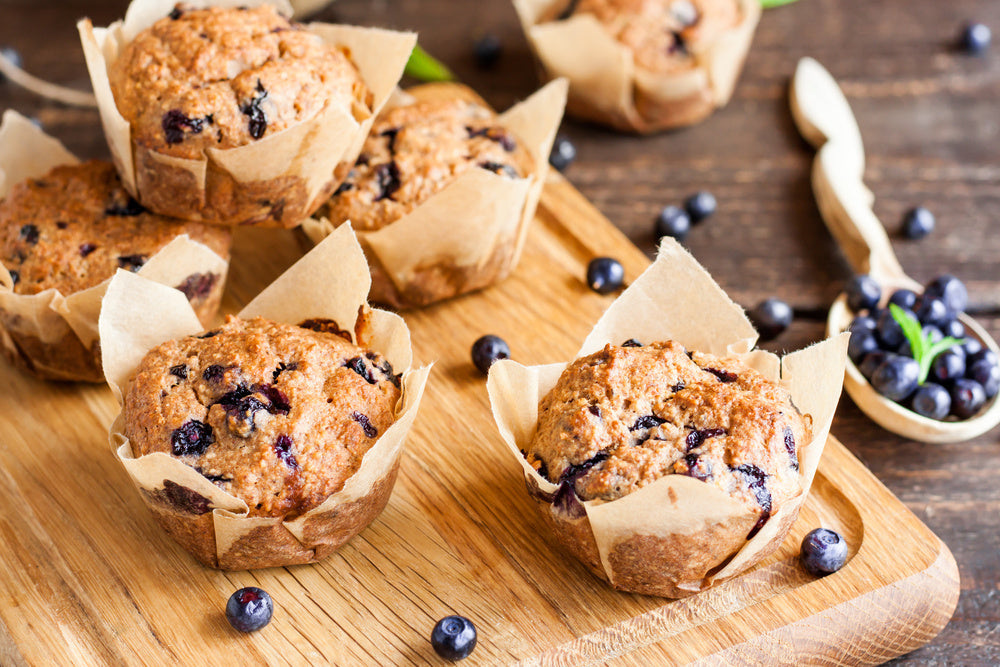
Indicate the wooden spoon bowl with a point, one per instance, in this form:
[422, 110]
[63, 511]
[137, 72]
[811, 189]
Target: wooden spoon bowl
[824, 118]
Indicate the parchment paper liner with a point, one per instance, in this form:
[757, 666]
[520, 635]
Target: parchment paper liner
[607, 86]
[329, 282]
[676, 536]
[276, 181]
[55, 335]
[470, 234]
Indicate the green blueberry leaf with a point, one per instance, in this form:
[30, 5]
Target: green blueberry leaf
[425, 67]
[769, 4]
[924, 352]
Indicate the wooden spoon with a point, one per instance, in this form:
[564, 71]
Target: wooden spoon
[824, 118]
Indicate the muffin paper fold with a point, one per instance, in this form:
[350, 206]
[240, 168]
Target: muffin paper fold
[278, 180]
[608, 87]
[469, 234]
[52, 334]
[330, 282]
[678, 535]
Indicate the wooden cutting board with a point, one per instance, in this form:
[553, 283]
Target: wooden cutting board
[87, 577]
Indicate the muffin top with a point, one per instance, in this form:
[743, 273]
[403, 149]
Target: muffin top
[275, 414]
[664, 35]
[625, 416]
[224, 77]
[414, 151]
[74, 227]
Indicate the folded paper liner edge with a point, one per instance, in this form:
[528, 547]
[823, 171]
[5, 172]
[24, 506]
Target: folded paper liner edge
[467, 220]
[330, 281]
[676, 299]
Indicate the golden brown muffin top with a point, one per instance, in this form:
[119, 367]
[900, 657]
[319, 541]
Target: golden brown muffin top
[663, 35]
[74, 227]
[414, 151]
[225, 77]
[625, 416]
[275, 414]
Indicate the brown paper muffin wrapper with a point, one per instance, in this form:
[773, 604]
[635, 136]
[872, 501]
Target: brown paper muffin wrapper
[608, 87]
[276, 181]
[677, 535]
[470, 234]
[54, 335]
[329, 282]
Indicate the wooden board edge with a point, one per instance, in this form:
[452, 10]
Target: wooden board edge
[909, 613]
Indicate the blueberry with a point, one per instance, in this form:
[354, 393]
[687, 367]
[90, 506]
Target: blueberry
[562, 154]
[454, 638]
[890, 334]
[954, 329]
[487, 51]
[918, 223]
[967, 396]
[931, 310]
[862, 323]
[976, 38]
[948, 366]
[861, 344]
[11, 56]
[896, 377]
[699, 206]
[904, 298]
[863, 293]
[971, 347]
[951, 290]
[770, 317]
[932, 400]
[249, 609]
[487, 350]
[605, 275]
[976, 356]
[986, 374]
[823, 551]
[872, 361]
[673, 221]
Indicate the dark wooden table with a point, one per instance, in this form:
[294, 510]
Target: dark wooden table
[930, 117]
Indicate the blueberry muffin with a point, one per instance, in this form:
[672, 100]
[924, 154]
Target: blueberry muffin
[685, 57]
[627, 416]
[201, 80]
[414, 151]
[274, 414]
[70, 230]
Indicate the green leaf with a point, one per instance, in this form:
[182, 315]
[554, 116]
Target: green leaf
[769, 4]
[426, 67]
[924, 352]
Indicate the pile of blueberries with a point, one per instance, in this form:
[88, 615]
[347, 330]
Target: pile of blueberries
[961, 378]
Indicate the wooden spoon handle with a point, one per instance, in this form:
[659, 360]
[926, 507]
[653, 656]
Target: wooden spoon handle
[824, 118]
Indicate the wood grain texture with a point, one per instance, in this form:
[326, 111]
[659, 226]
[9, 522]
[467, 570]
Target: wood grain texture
[90, 579]
[928, 118]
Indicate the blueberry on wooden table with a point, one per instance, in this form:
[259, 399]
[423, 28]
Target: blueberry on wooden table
[454, 638]
[772, 316]
[699, 206]
[605, 274]
[487, 51]
[487, 350]
[863, 293]
[918, 223]
[562, 154]
[249, 609]
[823, 551]
[976, 38]
[673, 221]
